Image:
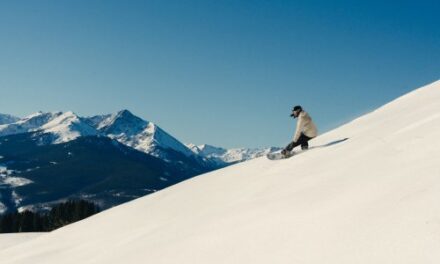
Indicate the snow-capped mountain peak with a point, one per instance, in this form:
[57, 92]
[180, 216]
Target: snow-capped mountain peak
[160, 138]
[122, 122]
[29, 123]
[207, 150]
[39, 118]
[137, 133]
[63, 126]
[68, 126]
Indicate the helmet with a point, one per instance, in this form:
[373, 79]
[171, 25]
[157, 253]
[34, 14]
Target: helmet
[297, 109]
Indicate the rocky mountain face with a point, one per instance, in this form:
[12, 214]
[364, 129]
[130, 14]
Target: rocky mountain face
[7, 119]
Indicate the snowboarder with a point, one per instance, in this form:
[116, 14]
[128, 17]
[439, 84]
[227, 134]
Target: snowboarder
[305, 130]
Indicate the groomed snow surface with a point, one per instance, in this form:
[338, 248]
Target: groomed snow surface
[9, 240]
[374, 198]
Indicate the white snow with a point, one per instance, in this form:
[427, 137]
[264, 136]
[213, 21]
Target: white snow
[14, 181]
[30, 123]
[68, 126]
[65, 126]
[9, 240]
[373, 198]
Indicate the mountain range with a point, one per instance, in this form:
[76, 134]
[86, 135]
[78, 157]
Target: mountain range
[124, 127]
[50, 156]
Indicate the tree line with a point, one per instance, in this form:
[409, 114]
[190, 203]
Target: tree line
[60, 215]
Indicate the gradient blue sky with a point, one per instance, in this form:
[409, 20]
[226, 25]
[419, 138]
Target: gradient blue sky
[220, 72]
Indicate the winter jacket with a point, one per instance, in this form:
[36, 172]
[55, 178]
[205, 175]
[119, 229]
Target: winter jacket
[305, 125]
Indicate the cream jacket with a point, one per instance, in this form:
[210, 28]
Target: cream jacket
[305, 125]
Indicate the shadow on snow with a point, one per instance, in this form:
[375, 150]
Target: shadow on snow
[331, 143]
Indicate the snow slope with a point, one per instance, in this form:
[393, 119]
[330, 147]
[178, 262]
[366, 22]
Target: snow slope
[373, 198]
[9, 240]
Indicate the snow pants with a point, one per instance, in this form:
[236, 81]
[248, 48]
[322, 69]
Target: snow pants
[302, 140]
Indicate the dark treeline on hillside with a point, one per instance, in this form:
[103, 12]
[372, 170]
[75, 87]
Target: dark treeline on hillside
[60, 215]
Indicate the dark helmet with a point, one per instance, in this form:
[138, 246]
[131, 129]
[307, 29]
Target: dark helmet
[296, 109]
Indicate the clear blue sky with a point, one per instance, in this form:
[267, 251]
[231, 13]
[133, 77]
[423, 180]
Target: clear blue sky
[220, 72]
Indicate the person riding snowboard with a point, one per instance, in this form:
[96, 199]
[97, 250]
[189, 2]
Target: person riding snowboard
[305, 130]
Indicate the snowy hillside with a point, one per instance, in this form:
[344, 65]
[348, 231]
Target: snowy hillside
[373, 198]
[9, 240]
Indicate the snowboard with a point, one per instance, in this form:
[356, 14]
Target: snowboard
[278, 155]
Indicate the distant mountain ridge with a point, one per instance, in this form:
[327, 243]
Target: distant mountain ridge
[126, 128]
[228, 156]
[48, 157]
